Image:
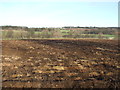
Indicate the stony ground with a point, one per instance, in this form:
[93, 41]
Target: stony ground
[69, 63]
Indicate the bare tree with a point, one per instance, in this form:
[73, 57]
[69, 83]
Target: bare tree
[56, 33]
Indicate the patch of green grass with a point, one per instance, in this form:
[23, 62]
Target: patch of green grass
[38, 32]
[65, 31]
[107, 35]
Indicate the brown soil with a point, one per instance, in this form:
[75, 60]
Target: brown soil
[70, 63]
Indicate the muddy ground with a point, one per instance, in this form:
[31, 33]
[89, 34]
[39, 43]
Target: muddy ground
[70, 63]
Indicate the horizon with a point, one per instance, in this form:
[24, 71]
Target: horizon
[60, 27]
[51, 13]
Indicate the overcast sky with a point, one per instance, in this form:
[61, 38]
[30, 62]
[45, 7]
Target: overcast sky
[58, 13]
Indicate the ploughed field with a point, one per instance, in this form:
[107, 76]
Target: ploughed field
[61, 63]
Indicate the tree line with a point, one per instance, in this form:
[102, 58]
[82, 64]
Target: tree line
[19, 32]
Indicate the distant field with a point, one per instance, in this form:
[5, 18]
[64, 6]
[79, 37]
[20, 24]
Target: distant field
[20, 34]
